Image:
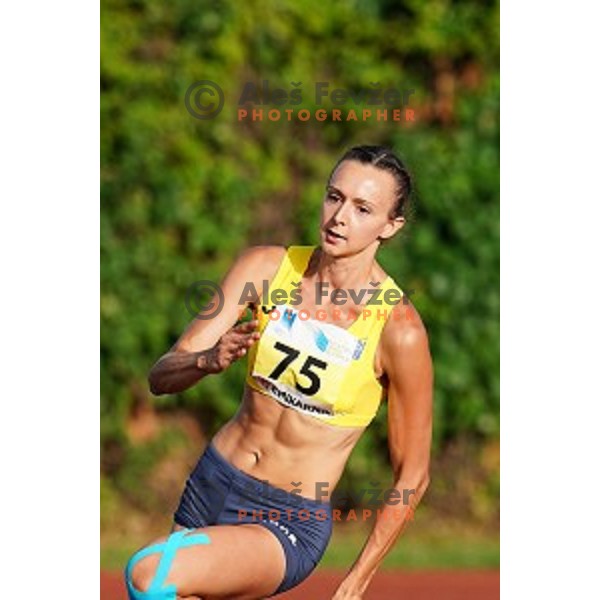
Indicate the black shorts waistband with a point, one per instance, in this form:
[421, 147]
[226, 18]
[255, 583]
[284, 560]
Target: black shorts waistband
[244, 482]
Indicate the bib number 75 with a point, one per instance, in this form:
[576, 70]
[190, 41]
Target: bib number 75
[310, 362]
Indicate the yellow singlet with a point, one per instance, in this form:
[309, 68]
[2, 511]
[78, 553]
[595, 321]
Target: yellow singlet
[317, 368]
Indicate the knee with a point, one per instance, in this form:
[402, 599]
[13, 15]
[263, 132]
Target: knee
[141, 572]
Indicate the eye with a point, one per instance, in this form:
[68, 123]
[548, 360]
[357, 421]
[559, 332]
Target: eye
[332, 196]
[364, 210]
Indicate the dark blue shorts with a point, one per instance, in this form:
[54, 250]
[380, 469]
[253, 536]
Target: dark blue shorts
[217, 493]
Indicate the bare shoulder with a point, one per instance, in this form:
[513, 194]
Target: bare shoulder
[404, 333]
[257, 264]
[262, 260]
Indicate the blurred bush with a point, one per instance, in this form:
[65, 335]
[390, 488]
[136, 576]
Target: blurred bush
[181, 197]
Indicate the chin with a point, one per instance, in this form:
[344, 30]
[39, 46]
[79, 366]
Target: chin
[336, 251]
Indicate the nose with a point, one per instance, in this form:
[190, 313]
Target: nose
[339, 216]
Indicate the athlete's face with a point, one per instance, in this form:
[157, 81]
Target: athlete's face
[357, 205]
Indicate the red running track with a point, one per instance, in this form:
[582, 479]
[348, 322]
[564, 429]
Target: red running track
[421, 585]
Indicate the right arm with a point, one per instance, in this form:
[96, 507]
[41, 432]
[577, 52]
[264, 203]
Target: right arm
[211, 345]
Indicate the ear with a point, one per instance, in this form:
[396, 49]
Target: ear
[392, 227]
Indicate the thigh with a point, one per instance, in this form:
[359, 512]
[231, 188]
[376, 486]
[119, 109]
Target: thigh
[241, 561]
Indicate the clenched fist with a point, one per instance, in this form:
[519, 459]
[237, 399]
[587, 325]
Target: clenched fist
[231, 346]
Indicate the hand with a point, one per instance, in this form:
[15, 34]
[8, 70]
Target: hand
[232, 345]
[342, 595]
[345, 592]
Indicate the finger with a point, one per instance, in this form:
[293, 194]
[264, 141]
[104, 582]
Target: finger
[249, 339]
[246, 327]
[241, 338]
[243, 344]
[252, 339]
[235, 354]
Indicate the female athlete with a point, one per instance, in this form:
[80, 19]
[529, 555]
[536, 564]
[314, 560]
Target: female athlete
[333, 336]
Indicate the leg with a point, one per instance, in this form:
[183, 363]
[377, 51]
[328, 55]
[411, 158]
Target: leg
[240, 561]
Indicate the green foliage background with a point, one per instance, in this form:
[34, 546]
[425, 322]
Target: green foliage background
[181, 197]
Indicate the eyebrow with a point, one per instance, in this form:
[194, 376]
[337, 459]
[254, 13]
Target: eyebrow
[361, 200]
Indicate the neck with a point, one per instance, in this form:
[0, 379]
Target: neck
[347, 272]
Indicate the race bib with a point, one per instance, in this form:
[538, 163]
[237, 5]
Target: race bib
[302, 362]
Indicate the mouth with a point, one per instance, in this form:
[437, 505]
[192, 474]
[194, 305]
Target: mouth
[331, 235]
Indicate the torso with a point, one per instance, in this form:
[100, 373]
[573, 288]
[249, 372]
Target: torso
[291, 450]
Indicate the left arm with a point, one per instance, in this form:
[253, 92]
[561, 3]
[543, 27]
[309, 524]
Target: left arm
[407, 364]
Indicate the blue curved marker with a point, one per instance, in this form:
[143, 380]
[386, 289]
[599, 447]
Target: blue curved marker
[168, 548]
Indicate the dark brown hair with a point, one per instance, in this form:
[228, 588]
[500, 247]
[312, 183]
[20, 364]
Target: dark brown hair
[384, 158]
